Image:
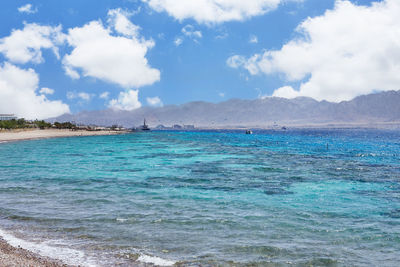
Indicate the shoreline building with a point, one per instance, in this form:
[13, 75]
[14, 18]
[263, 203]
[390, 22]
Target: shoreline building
[7, 117]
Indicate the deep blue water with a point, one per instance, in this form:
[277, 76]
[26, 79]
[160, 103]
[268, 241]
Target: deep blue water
[304, 197]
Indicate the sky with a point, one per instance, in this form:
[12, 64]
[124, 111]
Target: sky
[68, 56]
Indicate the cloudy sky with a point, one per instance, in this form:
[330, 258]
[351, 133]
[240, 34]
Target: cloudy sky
[73, 55]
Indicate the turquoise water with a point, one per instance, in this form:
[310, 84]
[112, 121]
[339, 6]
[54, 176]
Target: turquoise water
[309, 197]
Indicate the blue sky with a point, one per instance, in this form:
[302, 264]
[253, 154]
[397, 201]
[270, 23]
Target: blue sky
[188, 54]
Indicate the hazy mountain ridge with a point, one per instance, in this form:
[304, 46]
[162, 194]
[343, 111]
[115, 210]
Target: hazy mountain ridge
[381, 107]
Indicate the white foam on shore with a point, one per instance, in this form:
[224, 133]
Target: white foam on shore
[66, 255]
[155, 260]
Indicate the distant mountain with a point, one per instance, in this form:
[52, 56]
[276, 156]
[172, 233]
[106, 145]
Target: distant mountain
[367, 109]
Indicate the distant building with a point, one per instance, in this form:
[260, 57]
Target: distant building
[177, 127]
[7, 117]
[81, 127]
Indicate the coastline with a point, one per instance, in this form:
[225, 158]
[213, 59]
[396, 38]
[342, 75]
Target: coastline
[15, 251]
[11, 136]
[17, 256]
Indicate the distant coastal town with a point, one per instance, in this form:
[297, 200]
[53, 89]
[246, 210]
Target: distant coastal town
[13, 129]
[12, 122]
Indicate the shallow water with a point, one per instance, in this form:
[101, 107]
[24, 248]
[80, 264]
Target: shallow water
[207, 198]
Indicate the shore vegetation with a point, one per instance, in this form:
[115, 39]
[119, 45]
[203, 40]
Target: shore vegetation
[40, 124]
[23, 124]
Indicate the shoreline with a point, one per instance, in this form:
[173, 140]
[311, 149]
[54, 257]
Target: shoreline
[15, 251]
[17, 256]
[21, 135]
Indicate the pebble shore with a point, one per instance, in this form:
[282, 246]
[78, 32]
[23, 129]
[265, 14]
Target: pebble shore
[11, 256]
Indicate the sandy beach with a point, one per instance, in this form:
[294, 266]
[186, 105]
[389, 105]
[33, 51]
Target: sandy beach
[9, 136]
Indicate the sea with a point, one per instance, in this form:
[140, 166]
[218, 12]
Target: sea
[305, 197]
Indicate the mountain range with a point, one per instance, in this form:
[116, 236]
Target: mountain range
[374, 109]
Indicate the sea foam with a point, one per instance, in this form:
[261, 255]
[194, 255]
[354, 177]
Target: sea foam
[66, 255]
[155, 260]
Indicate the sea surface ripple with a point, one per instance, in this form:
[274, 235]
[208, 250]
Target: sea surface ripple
[297, 197]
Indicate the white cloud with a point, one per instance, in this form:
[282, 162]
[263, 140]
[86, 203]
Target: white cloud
[154, 101]
[178, 41]
[286, 92]
[126, 101]
[253, 39]
[221, 94]
[18, 95]
[214, 11]
[26, 45]
[236, 61]
[104, 95]
[81, 95]
[28, 8]
[348, 51]
[114, 58]
[73, 74]
[190, 32]
[46, 91]
[118, 18]
[84, 96]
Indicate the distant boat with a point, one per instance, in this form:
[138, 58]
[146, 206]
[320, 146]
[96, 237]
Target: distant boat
[144, 127]
[141, 128]
[249, 132]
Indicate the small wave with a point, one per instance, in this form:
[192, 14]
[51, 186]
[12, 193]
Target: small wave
[66, 255]
[124, 220]
[155, 260]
